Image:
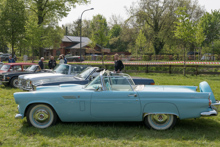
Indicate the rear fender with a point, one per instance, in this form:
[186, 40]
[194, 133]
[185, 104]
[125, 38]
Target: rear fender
[160, 108]
[204, 87]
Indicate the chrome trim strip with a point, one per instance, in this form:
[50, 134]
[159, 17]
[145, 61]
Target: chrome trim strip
[210, 113]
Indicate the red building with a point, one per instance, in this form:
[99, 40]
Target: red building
[71, 45]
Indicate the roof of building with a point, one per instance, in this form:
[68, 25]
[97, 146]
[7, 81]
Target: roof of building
[75, 39]
[91, 50]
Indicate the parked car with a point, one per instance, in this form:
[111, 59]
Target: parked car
[85, 77]
[208, 56]
[71, 58]
[5, 57]
[192, 55]
[115, 97]
[15, 67]
[62, 71]
[12, 77]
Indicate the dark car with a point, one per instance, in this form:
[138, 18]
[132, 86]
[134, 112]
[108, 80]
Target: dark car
[87, 75]
[5, 57]
[15, 69]
[71, 58]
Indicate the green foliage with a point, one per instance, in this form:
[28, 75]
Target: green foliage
[140, 43]
[211, 26]
[99, 30]
[12, 22]
[184, 26]
[48, 11]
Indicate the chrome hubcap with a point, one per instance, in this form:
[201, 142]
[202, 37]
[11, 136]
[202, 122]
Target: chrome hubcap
[15, 83]
[41, 115]
[160, 118]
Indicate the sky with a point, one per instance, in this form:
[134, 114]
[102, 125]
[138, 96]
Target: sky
[107, 8]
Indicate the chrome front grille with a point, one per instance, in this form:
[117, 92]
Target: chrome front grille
[21, 83]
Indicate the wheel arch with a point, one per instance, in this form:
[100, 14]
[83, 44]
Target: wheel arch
[34, 103]
[12, 78]
[160, 108]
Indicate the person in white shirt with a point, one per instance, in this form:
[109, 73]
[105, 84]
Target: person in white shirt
[61, 59]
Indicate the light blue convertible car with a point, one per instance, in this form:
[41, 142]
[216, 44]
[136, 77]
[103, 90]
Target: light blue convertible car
[115, 97]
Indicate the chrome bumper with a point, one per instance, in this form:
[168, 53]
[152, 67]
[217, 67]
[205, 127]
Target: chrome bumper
[216, 106]
[18, 116]
[25, 88]
[210, 113]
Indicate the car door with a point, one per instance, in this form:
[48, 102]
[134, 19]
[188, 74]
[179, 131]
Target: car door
[115, 104]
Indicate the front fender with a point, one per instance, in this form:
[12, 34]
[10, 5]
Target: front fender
[165, 108]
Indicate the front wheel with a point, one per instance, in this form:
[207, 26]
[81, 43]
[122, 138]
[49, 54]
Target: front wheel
[160, 121]
[41, 116]
[14, 82]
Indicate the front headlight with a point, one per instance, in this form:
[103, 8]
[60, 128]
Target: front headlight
[28, 83]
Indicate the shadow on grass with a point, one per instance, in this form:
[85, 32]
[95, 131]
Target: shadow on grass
[198, 129]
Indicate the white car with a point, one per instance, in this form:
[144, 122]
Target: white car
[208, 57]
[62, 71]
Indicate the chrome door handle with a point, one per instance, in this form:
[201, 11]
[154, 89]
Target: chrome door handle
[134, 95]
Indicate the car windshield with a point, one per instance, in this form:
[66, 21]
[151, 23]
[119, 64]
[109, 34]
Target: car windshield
[5, 67]
[31, 68]
[113, 82]
[62, 68]
[85, 73]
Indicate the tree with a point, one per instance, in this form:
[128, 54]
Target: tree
[210, 23]
[13, 22]
[99, 31]
[140, 43]
[185, 29]
[51, 10]
[159, 17]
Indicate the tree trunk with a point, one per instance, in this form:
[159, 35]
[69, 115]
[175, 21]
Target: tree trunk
[40, 21]
[158, 45]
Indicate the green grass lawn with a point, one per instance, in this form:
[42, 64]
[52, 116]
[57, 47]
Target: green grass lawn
[193, 132]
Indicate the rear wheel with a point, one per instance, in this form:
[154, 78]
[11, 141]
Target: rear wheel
[14, 82]
[160, 121]
[41, 116]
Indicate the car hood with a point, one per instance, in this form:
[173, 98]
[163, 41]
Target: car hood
[39, 75]
[61, 88]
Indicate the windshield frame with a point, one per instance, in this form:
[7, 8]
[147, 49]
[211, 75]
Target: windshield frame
[8, 67]
[60, 66]
[89, 70]
[104, 74]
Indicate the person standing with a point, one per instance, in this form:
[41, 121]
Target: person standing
[11, 60]
[52, 63]
[41, 63]
[61, 59]
[118, 64]
[64, 58]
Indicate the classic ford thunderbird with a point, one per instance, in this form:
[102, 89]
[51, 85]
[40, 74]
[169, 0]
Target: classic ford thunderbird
[115, 97]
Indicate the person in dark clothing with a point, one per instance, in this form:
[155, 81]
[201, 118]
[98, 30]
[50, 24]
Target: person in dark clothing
[11, 60]
[118, 64]
[64, 58]
[41, 63]
[52, 63]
